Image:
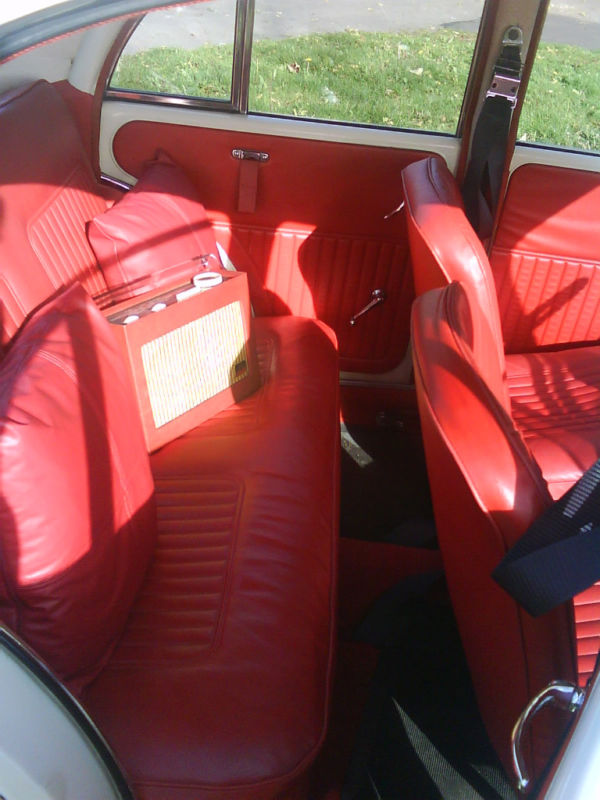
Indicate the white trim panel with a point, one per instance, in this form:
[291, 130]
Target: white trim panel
[51, 61]
[401, 377]
[92, 54]
[117, 113]
[568, 159]
[43, 751]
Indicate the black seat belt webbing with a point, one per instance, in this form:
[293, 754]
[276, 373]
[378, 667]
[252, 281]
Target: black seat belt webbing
[559, 554]
[483, 178]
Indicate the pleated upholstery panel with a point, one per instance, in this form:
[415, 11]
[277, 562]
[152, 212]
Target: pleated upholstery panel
[545, 258]
[47, 195]
[545, 300]
[587, 631]
[330, 278]
[336, 195]
[58, 237]
[197, 520]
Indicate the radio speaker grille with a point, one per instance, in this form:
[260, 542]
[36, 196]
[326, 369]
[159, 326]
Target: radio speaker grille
[194, 362]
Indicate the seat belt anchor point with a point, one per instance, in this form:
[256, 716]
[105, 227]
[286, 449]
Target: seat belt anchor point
[513, 35]
[504, 86]
[506, 79]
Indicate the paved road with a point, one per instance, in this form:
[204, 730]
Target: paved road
[576, 22]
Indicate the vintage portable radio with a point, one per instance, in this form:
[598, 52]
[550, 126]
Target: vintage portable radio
[190, 351]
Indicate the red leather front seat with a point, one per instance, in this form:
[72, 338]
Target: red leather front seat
[486, 489]
[504, 435]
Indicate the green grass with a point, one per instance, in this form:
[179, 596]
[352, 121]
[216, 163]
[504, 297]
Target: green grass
[407, 80]
[404, 80]
[562, 106]
[382, 79]
[205, 72]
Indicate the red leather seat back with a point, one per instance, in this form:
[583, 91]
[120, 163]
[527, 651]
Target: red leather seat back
[545, 258]
[445, 248]
[77, 515]
[486, 490]
[47, 195]
[157, 232]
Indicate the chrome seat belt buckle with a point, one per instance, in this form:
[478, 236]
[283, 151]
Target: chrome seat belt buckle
[504, 86]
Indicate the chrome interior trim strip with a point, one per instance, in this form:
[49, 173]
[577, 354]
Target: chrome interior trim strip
[123, 185]
[242, 52]
[157, 99]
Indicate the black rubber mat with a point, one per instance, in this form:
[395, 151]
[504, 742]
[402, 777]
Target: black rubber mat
[385, 495]
[421, 737]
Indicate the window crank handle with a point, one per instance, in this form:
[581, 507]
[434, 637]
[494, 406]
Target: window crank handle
[377, 297]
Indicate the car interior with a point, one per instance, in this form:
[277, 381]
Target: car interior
[275, 405]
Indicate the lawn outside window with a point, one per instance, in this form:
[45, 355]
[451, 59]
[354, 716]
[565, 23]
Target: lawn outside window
[344, 62]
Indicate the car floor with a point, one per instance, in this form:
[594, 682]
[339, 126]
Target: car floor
[404, 719]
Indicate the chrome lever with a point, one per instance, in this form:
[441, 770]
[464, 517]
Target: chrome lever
[378, 296]
[395, 211]
[566, 696]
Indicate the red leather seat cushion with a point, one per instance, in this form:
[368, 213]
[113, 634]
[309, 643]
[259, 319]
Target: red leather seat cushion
[77, 520]
[158, 226]
[555, 404]
[220, 685]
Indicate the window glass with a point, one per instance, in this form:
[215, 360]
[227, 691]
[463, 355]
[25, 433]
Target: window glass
[385, 62]
[562, 106]
[185, 51]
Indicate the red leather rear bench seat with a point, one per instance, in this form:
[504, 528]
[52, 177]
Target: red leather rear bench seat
[216, 681]
[225, 664]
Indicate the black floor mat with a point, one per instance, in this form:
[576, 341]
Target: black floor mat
[421, 737]
[385, 495]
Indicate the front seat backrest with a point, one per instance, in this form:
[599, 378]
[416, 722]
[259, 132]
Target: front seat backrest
[445, 248]
[486, 490]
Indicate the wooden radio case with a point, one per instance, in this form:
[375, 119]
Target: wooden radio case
[190, 351]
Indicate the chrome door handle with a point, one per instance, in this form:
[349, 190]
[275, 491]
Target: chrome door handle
[566, 696]
[378, 296]
[249, 155]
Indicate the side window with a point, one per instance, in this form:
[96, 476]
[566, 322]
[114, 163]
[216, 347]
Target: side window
[390, 64]
[185, 51]
[562, 105]
[381, 63]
